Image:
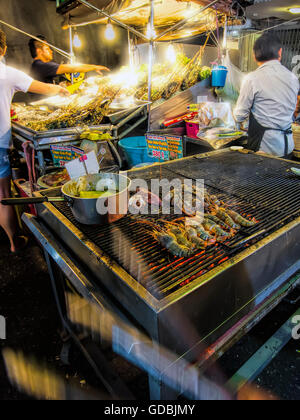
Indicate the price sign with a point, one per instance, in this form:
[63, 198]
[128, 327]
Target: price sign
[157, 147]
[175, 146]
[164, 148]
[63, 154]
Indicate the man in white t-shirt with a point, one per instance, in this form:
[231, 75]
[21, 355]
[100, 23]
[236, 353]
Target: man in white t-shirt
[12, 81]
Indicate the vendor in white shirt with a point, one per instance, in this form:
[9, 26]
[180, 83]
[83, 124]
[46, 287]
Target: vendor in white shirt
[268, 98]
[12, 81]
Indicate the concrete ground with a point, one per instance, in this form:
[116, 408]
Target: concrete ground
[33, 326]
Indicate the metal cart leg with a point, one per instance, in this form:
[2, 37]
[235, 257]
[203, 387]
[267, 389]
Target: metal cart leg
[41, 160]
[90, 350]
[159, 391]
[264, 356]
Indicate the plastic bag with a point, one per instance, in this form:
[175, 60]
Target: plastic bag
[213, 138]
[234, 80]
[212, 114]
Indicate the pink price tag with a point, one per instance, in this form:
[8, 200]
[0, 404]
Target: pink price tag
[83, 158]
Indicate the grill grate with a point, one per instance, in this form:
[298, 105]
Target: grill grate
[268, 193]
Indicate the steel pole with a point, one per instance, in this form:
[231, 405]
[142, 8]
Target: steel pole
[71, 51]
[58, 50]
[151, 51]
[130, 51]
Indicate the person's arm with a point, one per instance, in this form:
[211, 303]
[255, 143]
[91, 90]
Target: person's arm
[79, 68]
[47, 89]
[245, 102]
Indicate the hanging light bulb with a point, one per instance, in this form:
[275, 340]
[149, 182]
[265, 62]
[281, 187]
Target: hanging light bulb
[188, 11]
[171, 54]
[77, 41]
[110, 33]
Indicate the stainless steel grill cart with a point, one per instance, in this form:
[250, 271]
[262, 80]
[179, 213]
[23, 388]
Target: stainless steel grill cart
[201, 304]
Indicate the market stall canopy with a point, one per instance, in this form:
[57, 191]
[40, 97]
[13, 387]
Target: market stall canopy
[136, 13]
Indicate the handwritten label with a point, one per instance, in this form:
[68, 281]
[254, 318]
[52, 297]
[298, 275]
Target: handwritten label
[63, 154]
[175, 145]
[164, 148]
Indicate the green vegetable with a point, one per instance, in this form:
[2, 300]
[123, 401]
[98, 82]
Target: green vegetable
[235, 134]
[183, 59]
[296, 171]
[205, 72]
[143, 68]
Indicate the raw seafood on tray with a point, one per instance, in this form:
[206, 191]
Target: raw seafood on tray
[91, 102]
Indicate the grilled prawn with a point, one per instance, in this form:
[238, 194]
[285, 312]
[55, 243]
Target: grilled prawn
[218, 221]
[241, 220]
[223, 215]
[192, 235]
[168, 241]
[202, 233]
[212, 227]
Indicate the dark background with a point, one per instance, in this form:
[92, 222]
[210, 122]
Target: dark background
[39, 17]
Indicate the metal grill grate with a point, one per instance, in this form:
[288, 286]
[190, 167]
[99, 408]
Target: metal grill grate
[251, 185]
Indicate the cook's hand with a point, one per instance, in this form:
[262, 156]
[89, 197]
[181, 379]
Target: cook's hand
[63, 91]
[100, 69]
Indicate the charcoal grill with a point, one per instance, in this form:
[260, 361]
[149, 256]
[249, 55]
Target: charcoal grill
[188, 303]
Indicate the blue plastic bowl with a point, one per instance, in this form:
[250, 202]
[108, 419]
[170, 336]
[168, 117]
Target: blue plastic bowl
[135, 150]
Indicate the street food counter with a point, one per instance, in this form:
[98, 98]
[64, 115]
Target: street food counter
[199, 298]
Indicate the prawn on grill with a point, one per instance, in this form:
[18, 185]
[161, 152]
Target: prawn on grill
[176, 199]
[212, 202]
[179, 233]
[193, 237]
[241, 220]
[218, 221]
[215, 229]
[222, 214]
[202, 233]
[169, 242]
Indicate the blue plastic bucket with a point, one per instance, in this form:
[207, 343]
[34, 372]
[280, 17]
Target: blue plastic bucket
[219, 75]
[135, 150]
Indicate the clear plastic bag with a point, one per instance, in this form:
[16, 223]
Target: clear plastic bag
[234, 80]
[213, 114]
[215, 141]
